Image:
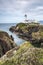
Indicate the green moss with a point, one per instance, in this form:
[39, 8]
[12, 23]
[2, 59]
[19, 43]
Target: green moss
[25, 55]
[41, 34]
[24, 47]
[21, 25]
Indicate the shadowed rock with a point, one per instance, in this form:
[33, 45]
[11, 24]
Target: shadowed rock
[6, 42]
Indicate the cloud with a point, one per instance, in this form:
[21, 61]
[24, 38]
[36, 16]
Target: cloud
[14, 9]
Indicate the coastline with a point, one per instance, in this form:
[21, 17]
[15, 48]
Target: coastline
[28, 35]
[25, 51]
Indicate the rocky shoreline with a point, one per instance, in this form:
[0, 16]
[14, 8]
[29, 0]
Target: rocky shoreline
[28, 32]
[28, 53]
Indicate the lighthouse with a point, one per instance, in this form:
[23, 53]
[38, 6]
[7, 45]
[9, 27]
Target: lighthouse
[25, 16]
[26, 21]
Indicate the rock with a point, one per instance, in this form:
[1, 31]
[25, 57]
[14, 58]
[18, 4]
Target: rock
[12, 37]
[12, 29]
[32, 33]
[6, 43]
[25, 55]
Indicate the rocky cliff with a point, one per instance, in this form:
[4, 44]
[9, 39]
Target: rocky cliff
[6, 43]
[27, 54]
[31, 32]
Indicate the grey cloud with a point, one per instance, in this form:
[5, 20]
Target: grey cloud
[22, 6]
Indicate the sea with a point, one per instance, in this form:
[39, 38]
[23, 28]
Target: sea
[5, 27]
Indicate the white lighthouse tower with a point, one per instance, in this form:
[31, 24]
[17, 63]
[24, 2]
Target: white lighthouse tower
[26, 21]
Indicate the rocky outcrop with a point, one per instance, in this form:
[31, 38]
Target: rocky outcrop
[12, 29]
[32, 33]
[25, 55]
[6, 43]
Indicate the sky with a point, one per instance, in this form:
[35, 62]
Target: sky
[13, 11]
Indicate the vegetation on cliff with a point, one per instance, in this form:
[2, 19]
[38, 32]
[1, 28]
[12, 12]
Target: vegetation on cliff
[32, 32]
[26, 55]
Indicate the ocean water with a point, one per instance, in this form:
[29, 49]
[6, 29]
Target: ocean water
[41, 22]
[5, 27]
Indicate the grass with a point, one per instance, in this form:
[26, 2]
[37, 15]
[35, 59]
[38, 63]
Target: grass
[20, 25]
[25, 54]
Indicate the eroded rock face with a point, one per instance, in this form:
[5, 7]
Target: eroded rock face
[6, 43]
[4, 46]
